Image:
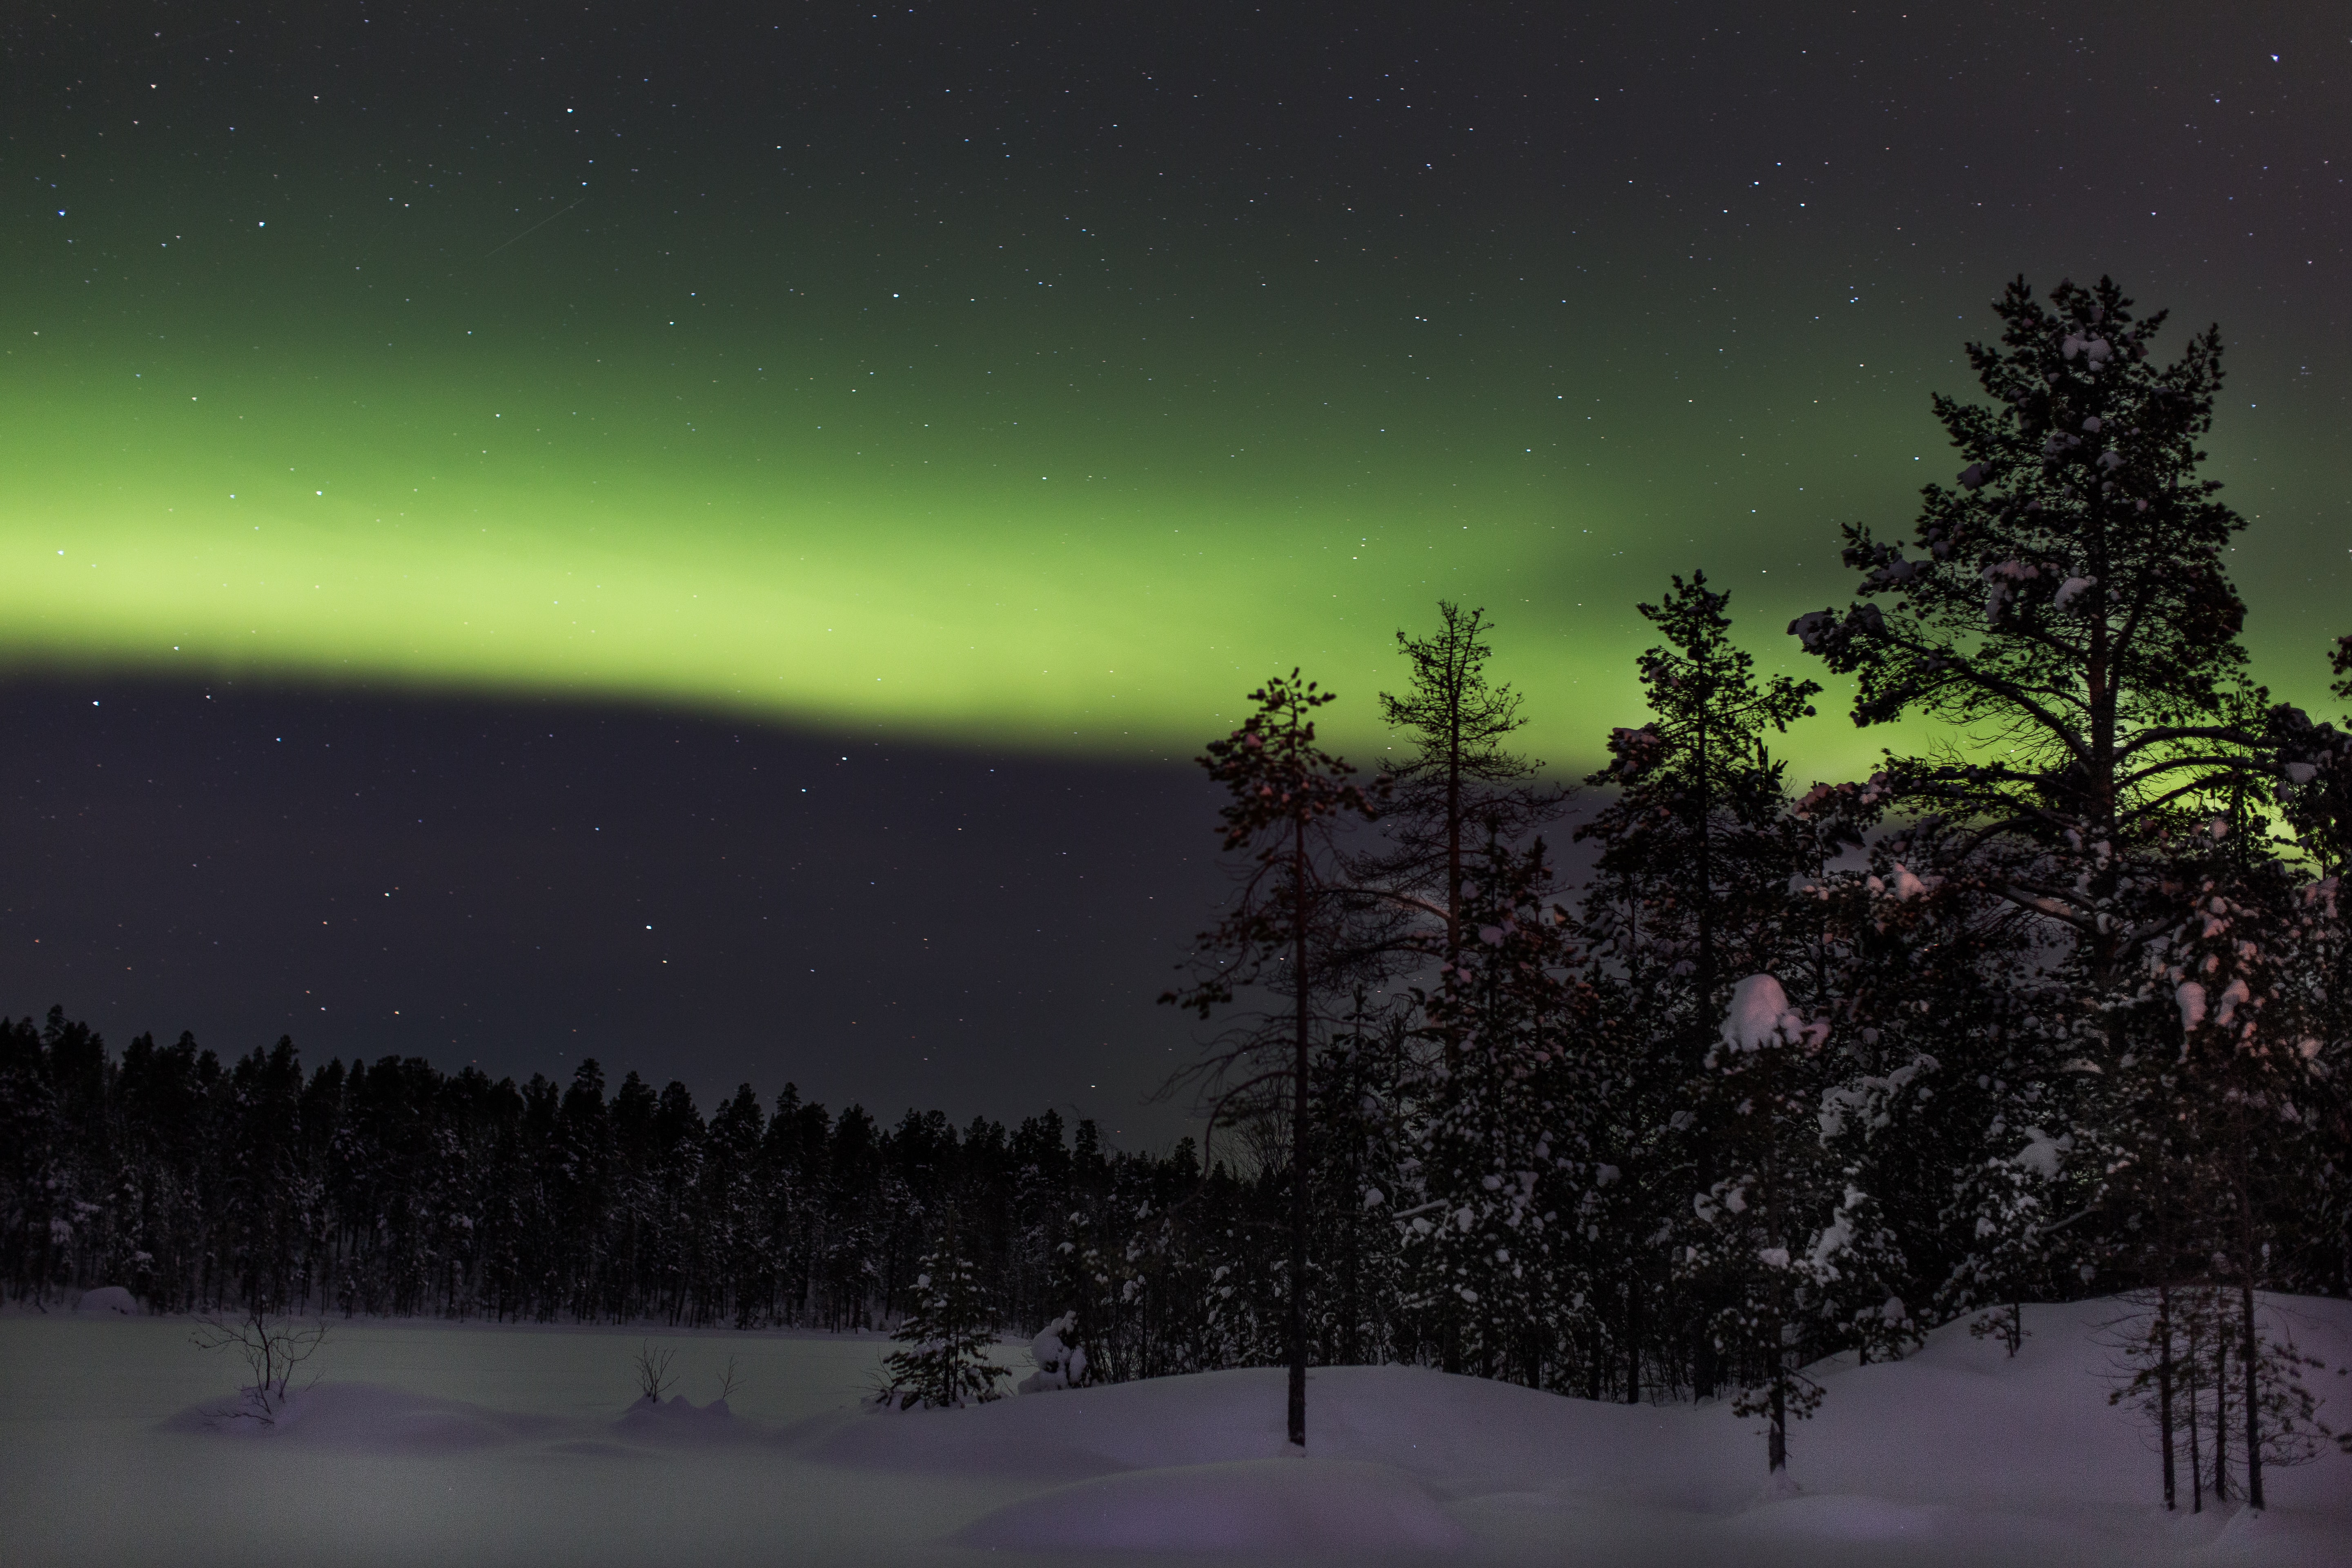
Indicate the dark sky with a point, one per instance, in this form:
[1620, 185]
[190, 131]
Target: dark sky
[520, 884]
[501, 456]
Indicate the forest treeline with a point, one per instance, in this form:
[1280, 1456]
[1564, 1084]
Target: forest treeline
[394, 1188]
[2054, 1005]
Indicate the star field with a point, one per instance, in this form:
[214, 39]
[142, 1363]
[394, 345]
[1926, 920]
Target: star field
[1026, 383]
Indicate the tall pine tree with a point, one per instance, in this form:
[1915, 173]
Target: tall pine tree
[1287, 796]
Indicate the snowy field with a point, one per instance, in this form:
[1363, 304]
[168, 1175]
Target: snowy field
[433, 1444]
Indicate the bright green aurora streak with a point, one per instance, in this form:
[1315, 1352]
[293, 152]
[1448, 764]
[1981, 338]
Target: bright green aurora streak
[1082, 499]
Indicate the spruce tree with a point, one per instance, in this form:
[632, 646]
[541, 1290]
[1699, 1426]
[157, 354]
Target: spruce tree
[948, 1333]
[1859, 948]
[1498, 1125]
[1458, 785]
[2065, 610]
[1770, 1228]
[1699, 792]
[1686, 890]
[2248, 1083]
[1362, 1103]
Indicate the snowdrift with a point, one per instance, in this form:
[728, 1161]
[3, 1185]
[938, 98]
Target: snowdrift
[1457, 1437]
[365, 1417]
[1959, 1453]
[678, 1419]
[1288, 1505]
[482, 1443]
[368, 1417]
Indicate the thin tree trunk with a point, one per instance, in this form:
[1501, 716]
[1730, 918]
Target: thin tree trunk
[1704, 1006]
[1704, 1362]
[1297, 1305]
[2164, 1387]
[1634, 1340]
[2250, 1361]
[2220, 1414]
[1778, 1445]
[1350, 1095]
[2250, 1366]
[1454, 829]
[2196, 1458]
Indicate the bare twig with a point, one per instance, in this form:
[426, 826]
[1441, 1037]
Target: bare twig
[654, 1375]
[271, 1348]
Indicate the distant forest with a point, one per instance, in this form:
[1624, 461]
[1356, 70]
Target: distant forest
[394, 1188]
[2058, 1004]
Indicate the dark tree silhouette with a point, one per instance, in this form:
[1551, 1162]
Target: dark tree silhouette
[1459, 785]
[1286, 796]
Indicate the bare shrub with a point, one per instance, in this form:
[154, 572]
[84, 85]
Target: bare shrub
[654, 1375]
[271, 1349]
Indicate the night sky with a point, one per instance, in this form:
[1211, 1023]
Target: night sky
[463, 476]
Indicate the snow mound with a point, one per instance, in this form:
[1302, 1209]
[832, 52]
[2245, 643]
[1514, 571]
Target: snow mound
[1959, 1449]
[367, 1417]
[680, 1420]
[1847, 1517]
[109, 1299]
[1262, 1505]
[1959, 1456]
[1457, 1437]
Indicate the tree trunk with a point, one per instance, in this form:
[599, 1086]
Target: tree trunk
[2196, 1458]
[1348, 1095]
[1777, 1339]
[2250, 1365]
[1454, 827]
[2221, 1413]
[2164, 1388]
[1634, 1340]
[1297, 1313]
[2249, 1360]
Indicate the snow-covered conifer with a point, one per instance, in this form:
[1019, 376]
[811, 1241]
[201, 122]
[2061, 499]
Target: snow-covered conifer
[2071, 587]
[1359, 1137]
[2070, 594]
[1770, 1229]
[1060, 1359]
[1687, 889]
[2250, 1093]
[1496, 1132]
[949, 1336]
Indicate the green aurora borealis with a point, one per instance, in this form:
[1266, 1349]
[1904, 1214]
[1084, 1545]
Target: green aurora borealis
[1065, 456]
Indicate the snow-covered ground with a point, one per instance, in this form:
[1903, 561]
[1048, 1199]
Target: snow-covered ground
[432, 1443]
